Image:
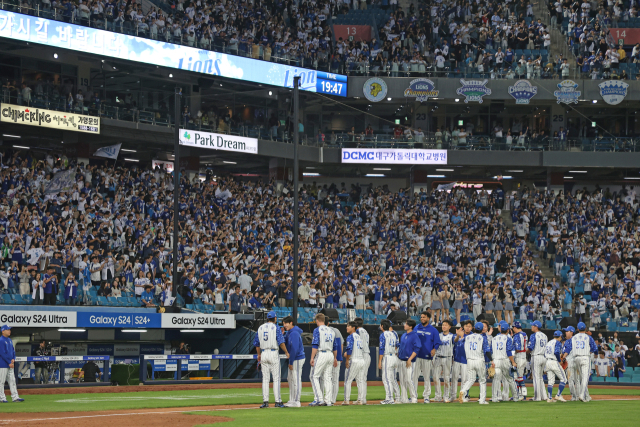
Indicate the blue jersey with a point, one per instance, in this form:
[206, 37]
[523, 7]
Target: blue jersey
[268, 337]
[293, 341]
[459, 355]
[7, 352]
[409, 343]
[429, 340]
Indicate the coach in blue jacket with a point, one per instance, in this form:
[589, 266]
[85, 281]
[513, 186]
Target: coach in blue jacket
[430, 340]
[293, 341]
[7, 363]
[409, 348]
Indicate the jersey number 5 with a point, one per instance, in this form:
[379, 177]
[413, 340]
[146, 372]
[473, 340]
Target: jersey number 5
[265, 336]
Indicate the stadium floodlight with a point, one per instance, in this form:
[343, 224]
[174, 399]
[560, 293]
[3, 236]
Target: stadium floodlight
[133, 330]
[71, 330]
[21, 146]
[578, 171]
[375, 175]
[444, 170]
[435, 176]
[6, 135]
[191, 330]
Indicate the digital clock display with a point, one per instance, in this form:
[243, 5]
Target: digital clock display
[331, 84]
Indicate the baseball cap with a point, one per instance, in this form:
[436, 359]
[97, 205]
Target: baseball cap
[479, 326]
[582, 326]
[503, 325]
[537, 324]
[557, 334]
[569, 329]
[5, 328]
[517, 325]
[271, 315]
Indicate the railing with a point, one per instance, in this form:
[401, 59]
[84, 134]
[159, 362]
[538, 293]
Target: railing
[243, 346]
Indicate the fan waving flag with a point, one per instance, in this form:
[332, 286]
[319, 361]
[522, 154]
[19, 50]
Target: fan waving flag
[110, 152]
[61, 181]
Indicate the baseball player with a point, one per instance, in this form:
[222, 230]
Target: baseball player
[367, 351]
[572, 371]
[7, 363]
[520, 345]
[443, 362]
[475, 346]
[430, 341]
[268, 339]
[354, 365]
[460, 359]
[552, 353]
[503, 361]
[537, 345]
[335, 374]
[581, 345]
[409, 349]
[326, 349]
[293, 342]
[388, 361]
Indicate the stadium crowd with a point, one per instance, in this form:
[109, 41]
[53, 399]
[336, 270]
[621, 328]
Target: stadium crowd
[364, 248]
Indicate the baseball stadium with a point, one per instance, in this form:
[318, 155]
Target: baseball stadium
[264, 212]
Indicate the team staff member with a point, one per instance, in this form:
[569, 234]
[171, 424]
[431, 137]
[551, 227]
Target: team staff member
[354, 365]
[503, 361]
[553, 369]
[7, 363]
[409, 348]
[42, 372]
[366, 350]
[475, 347]
[537, 345]
[581, 345]
[430, 341]
[443, 361]
[388, 361]
[293, 342]
[267, 340]
[460, 358]
[520, 346]
[89, 372]
[325, 347]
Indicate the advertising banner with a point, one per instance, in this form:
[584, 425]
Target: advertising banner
[42, 118]
[42, 319]
[217, 141]
[391, 156]
[198, 321]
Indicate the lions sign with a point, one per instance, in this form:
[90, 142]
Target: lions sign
[613, 92]
[375, 89]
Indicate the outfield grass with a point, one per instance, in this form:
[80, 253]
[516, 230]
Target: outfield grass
[595, 413]
[186, 398]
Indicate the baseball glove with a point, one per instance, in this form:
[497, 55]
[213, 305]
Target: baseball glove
[564, 365]
[491, 372]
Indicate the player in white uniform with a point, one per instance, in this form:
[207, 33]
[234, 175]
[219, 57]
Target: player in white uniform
[581, 346]
[354, 364]
[268, 338]
[503, 362]
[388, 361]
[572, 371]
[367, 351]
[335, 374]
[537, 345]
[553, 369]
[520, 347]
[325, 348]
[475, 346]
[459, 370]
[443, 362]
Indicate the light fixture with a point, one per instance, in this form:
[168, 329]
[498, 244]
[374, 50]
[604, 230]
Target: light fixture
[515, 170]
[629, 177]
[71, 330]
[133, 330]
[128, 151]
[388, 99]
[6, 135]
[375, 175]
[503, 177]
[578, 171]
[435, 176]
[444, 170]
[568, 177]
[381, 169]
[270, 93]
[55, 56]
[131, 160]
[21, 146]
[229, 163]
[310, 167]
[457, 99]
[595, 101]
[310, 174]
[170, 76]
[191, 330]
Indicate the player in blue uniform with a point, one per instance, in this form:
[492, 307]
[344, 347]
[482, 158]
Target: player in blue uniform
[293, 342]
[409, 348]
[430, 341]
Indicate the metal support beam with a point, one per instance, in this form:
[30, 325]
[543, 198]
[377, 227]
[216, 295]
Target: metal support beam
[296, 136]
[176, 187]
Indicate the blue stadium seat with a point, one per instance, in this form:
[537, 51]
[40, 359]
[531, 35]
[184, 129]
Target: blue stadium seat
[624, 379]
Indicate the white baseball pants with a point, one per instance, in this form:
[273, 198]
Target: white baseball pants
[365, 373]
[442, 369]
[574, 378]
[294, 378]
[476, 368]
[322, 373]
[503, 376]
[459, 371]
[388, 368]
[538, 364]
[583, 366]
[521, 362]
[406, 381]
[270, 362]
[7, 374]
[422, 367]
[553, 370]
[355, 371]
[335, 380]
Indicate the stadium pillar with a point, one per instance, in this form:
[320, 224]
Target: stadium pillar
[555, 181]
[176, 188]
[296, 135]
